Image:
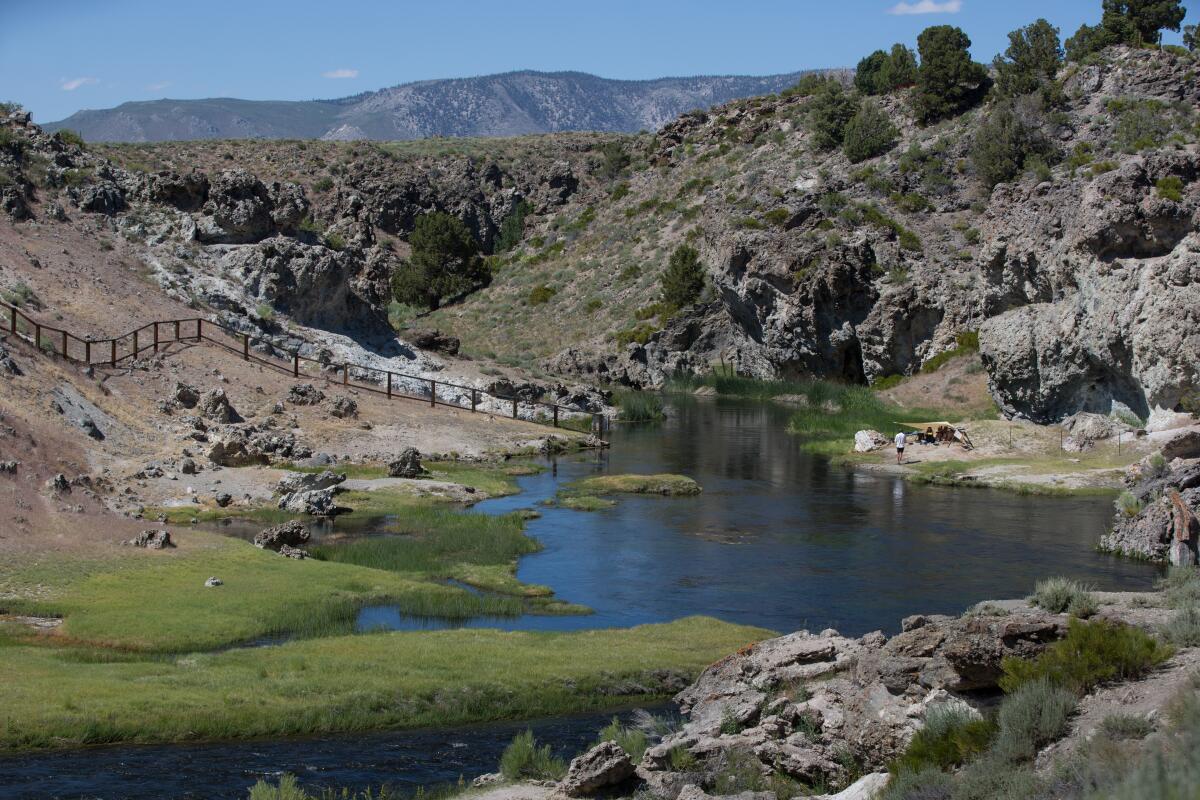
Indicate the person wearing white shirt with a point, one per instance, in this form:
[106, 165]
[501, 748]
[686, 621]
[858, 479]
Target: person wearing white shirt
[899, 447]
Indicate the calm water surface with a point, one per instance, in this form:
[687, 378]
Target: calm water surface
[779, 539]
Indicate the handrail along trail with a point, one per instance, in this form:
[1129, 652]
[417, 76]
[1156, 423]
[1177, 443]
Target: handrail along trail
[128, 346]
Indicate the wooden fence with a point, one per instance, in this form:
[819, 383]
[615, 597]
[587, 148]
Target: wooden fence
[154, 336]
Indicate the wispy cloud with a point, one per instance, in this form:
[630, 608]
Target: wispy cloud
[70, 85]
[341, 73]
[159, 86]
[927, 7]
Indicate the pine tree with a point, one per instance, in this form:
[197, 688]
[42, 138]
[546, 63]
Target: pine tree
[683, 280]
[868, 133]
[1031, 60]
[445, 262]
[948, 81]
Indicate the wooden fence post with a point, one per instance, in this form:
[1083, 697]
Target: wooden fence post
[514, 408]
[389, 386]
[177, 330]
[346, 374]
[432, 394]
[113, 342]
[199, 330]
[556, 416]
[296, 364]
[64, 345]
[37, 336]
[474, 399]
[135, 345]
[87, 350]
[245, 347]
[156, 336]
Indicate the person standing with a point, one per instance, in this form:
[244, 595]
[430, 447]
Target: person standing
[899, 447]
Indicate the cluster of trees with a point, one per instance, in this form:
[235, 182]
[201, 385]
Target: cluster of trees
[1132, 22]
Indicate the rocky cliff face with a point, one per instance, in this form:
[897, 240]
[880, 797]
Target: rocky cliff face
[1081, 282]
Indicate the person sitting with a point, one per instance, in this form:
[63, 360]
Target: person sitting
[927, 437]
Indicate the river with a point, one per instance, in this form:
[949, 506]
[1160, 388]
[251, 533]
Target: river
[779, 538]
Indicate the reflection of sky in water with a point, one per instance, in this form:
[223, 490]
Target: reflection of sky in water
[785, 540]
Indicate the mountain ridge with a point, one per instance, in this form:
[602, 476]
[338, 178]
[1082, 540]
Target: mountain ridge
[500, 104]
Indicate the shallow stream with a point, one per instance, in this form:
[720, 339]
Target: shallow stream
[779, 538]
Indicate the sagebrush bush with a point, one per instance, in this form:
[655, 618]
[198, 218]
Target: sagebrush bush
[868, 133]
[1183, 629]
[1181, 587]
[1091, 654]
[1031, 717]
[1063, 595]
[1126, 726]
[929, 783]
[633, 741]
[1127, 504]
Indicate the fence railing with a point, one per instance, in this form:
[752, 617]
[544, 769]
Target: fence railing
[154, 336]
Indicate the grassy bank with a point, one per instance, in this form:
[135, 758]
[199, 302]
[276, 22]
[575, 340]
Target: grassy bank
[58, 697]
[599, 485]
[827, 413]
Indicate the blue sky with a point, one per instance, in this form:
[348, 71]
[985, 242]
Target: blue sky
[58, 56]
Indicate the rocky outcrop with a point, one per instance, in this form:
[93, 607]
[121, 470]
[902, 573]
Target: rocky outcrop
[153, 539]
[304, 481]
[433, 340]
[240, 209]
[1145, 521]
[805, 704]
[867, 441]
[290, 535]
[305, 394]
[343, 407]
[214, 405]
[310, 493]
[247, 444]
[407, 464]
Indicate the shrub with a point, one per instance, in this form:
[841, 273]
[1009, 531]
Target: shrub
[911, 203]
[1181, 587]
[541, 294]
[681, 759]
[1126, 726]
[1127, 504]
[1059, 595]
[633, 741]
[620, 191]
[948, 81]
[683, 280]
[21, 294]
[512, 228]
[523, 758]
[287, 789]
[1092, 653]
[928, 784]
[613, 160]
[952, 734]
[445, 262]
[1170, 188]
[323, 184]
[1007, 139]
[70, 137]
[828, 113]
[639, 406]
[1141, 124]
[1032, 717]
[868, 133]
[1183, 629]
[777, 216]
[638, 333]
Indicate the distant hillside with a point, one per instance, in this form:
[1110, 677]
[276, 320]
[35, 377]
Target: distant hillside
[510, 104]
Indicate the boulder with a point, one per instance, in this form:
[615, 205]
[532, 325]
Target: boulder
[153, 539]
[213, 582]
[101, 198]
[188, 466]
[433, 340]
[287, 551]
[1086, 429]
[305, 394]
[307, 481]
[1185, 445]
[407, 465]
[868, 440]
[7, 364]
[214, 405]
[223, 499]
[343, 407]
[186, 395]
[289, 534]
[603, 766]
[314, 502]
[1161, 419]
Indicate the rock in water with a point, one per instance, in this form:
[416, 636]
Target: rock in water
[604, 765]
[316, 502]
[289, 534]
[408, 465]
[153, 539]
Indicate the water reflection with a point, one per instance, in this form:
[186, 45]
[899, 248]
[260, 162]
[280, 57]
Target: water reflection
[783, 539]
